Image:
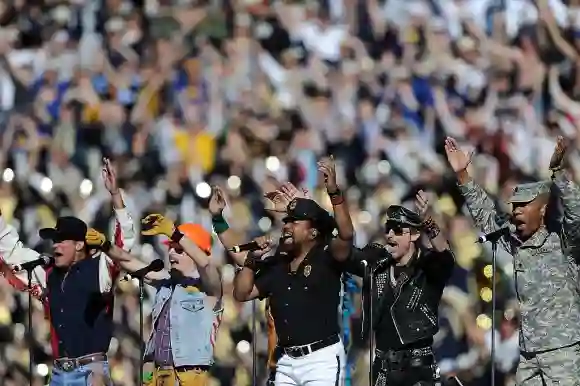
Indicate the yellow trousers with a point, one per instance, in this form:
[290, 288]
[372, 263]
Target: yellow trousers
[170, 377]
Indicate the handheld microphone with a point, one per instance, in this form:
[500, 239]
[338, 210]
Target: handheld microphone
[496, 235]
[42, 261]
[247, 247]
[155, 266]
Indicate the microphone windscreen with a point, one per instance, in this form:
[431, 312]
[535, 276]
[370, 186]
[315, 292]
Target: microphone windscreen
[156, 265]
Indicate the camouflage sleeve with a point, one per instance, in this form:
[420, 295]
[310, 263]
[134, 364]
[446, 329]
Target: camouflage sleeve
[570, 198]
[482, 209]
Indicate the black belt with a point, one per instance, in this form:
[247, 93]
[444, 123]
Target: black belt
[398, 359]
[70, 364]
[182, 369]
[300, 351]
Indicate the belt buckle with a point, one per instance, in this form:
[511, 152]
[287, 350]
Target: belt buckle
[67, 365]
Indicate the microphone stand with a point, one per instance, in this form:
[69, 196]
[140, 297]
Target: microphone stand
[141, 344]
[29, 332]
[493, 306]
[371, 335]
[254, 345]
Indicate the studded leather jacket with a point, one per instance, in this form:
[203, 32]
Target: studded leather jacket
[412, 300]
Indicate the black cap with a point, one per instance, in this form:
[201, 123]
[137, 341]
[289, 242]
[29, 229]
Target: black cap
[397, 214]
[67, 228]
[301, 209]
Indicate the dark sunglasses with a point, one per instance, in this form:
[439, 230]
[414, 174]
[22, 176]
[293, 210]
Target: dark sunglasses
[176, 247]
[397, 228]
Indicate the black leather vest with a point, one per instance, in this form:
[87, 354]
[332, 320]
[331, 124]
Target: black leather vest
[411, 304]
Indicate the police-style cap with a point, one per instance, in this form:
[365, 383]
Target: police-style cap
[528, 192]
[301, 209]
[67, 228]
[397, 214]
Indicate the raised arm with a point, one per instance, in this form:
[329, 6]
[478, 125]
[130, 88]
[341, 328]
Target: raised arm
[569, 195]
[249, 282]
[132, 263]
[156, 224]
[480, 205]
[124, 230]
[340, 246]
[226, 236]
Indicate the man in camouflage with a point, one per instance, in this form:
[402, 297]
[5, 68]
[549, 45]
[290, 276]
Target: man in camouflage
[545, 272]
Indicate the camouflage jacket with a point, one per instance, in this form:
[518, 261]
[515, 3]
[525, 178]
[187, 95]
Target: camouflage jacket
[545, 272]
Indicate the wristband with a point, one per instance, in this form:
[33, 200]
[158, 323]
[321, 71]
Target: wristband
[106, 247]
[176, 236]
[336, 197]
[219, 223]
[431, 228]
[147, 376]
[251, 262]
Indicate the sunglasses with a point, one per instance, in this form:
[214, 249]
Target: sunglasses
[397, 228]
[176, 247]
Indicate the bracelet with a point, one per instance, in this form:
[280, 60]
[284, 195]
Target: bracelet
[176, 236]
[251, 262]
[219, 223]
[336, 198]
[147, 376]
[431, 228]
[106, 247]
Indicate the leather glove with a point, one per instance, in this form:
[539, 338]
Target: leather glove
[94, 238]
[156, 224]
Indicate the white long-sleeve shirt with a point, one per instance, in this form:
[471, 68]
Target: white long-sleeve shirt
[13, 252]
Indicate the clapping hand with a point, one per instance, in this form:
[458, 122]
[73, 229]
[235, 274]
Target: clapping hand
[281, 197]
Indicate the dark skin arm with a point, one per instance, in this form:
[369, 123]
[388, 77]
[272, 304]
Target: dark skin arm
[340, 246]
[244, 281]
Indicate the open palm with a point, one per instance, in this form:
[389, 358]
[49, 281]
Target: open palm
[457, 158]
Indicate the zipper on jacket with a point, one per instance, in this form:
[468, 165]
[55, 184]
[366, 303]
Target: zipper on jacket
[393, 305]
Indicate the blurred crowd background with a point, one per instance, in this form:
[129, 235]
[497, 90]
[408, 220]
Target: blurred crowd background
[247, 93]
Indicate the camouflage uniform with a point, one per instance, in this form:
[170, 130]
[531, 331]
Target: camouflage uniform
[545, 278]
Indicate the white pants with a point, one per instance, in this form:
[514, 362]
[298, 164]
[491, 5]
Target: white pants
[324, 367]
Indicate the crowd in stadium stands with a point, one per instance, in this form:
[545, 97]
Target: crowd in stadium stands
[184, 94]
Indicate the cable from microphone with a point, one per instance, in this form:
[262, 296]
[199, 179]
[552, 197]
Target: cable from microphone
[155, 266]
[42, 261]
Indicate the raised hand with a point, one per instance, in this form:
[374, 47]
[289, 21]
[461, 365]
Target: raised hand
[282, 196]
[422, 205]
[559, 153]
[156, 224]
[278, 201]
[94, 238]
[217, 201]
[457, 158]
[328, 168]
[109, 175]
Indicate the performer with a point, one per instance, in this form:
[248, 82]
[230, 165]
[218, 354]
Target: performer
[408, 282]
[304, 288]
[544, 268]
[188, 304]
[228, 239]
[78, 291]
